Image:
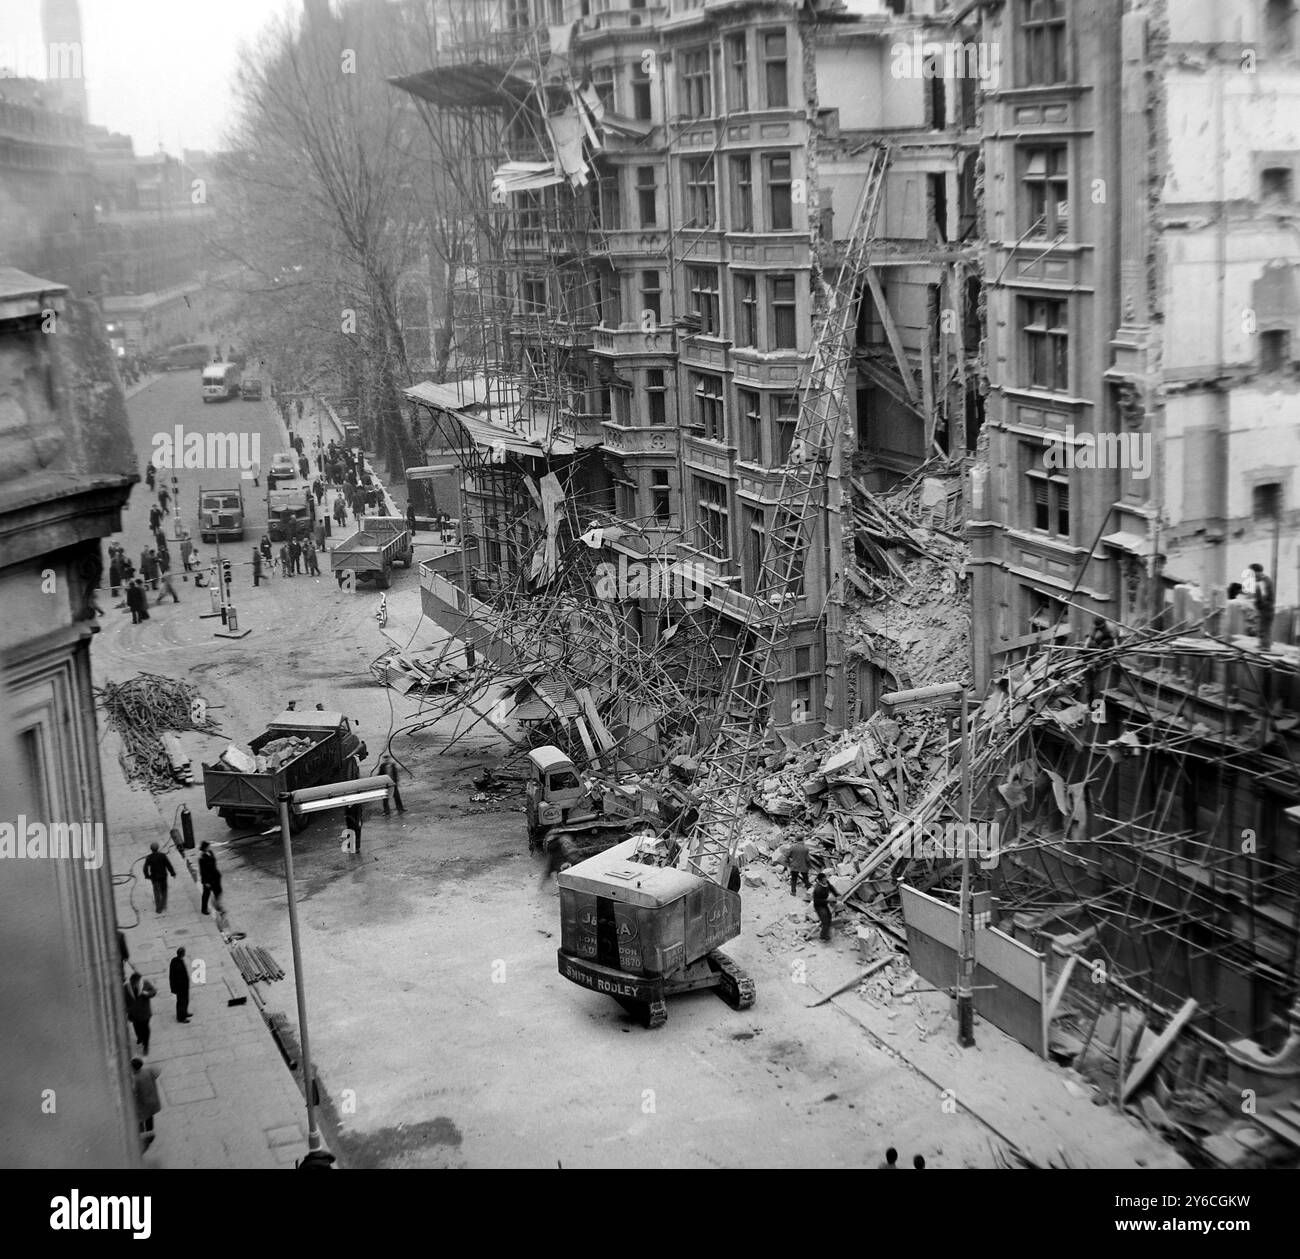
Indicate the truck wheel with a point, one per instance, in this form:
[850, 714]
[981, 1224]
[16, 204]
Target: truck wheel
[383, 582]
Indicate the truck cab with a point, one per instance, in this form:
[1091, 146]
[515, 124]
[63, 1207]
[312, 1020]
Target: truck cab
[290, 511]
[221, 513]
[554, 792]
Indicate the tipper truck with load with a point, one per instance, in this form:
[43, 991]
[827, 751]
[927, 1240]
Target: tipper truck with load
[372, 550]
[290, 511]
[296, 750]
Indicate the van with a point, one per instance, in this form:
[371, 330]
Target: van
[251, 390]
[220, 381]
[352, 436]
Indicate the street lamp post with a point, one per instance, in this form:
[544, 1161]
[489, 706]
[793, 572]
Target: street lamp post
[946, 694]
[316, 800]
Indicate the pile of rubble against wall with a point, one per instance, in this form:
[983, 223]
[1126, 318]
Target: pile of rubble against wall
[912, 617]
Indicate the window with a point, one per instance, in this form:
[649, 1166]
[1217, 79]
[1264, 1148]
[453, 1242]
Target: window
[776, 91]
[707, 407]
[1049, 494]
[785, 419]
[1274, 350]
[742, 193]
[661, 496]
[737, 73]
[751, 425]
[789, 552]
[1047, 193]
[1275, 184]
[602, 80]
[753, 538]
[746, 310]
[1043, 24]
[1043, 614]
[645, 196]
[611, 301]
[696, 77]
[703, 284]
[641, 107]
[650, 295]
[517, 17]
[698, 186]
[801, 685]
[1047, 343]
[1266, 501]
[714, 519]
[780, 205]
[625, 499]
[535, 297]
[784, 330]
[608, 202]
[656, 392]
[528, 220]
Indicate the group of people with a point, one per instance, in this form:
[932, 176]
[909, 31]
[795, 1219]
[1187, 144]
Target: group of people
[297, 555]
[139, 992]
[823, 893]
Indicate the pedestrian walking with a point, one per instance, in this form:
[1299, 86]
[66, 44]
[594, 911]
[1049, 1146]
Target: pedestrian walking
[164, 501]
[137, 601]
[210, 878]
[256, 471]
[313, 565]
[798, 864]
[144, 1085]
[284, 562]
[265, 546]
[257, 567]
[340, 511]
[304, 468]
[150, 475]
[410, 518]
[187, 553]
[389, 766]
[295, 554]
[1264, 606]
[178, 977]
[166, 588]
[155, 518]
[319, 490]
[149, 567]
[115, 576]
[158, 869]
[139, 1007]
[298, 407]
[823, 893]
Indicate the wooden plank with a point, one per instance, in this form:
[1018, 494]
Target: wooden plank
[891, 334]
[1059, 991]
[1154, 1054]
[879, 964]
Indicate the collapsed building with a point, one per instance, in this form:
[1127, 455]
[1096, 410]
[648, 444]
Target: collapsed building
[1032, 420]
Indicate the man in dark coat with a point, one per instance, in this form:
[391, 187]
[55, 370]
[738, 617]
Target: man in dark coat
[158, 869]
[257, 567]
[295, 553]
[139, 1006]
[144, 1084]
[178, 976]
[1265, 607]
[137, 601]
[798, 863]
[823, 893]
[410, 518]
[209, 877]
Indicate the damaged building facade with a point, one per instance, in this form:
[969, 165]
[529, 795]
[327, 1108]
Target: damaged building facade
[673, 192]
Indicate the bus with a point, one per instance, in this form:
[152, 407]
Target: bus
[220, 380]
[191, 354]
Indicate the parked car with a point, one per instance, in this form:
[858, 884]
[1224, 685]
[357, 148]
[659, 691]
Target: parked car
[252, 390]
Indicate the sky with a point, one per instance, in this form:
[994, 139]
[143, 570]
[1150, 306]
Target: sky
[160, 71]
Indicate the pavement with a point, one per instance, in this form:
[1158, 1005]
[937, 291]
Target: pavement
[228, 1097]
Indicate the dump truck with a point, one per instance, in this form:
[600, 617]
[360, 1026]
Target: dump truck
[221, 514]
[640, 932]
[560, 810]
[251, 797]
[372, 550]
[290, 511]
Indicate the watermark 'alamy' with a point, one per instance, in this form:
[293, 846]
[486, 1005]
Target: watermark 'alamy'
[1099, 450]
[683, 580]
[926, 59]
[78, 841]
[179, 449]
[932, 840]
[128, 1213]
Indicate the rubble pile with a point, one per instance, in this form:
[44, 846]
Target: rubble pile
[913, 617]
[845, 796]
